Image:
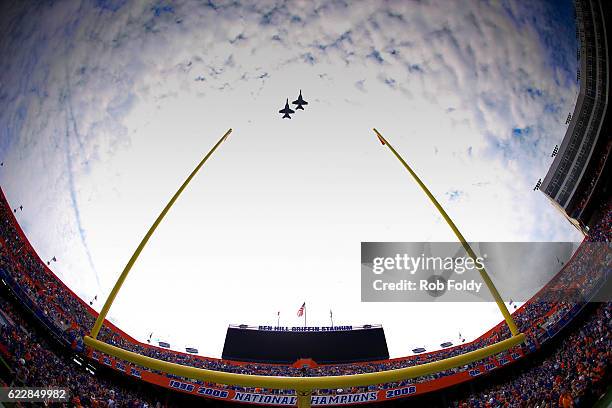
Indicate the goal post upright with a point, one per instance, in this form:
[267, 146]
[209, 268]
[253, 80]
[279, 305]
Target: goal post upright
[483, 273]
[111, 297]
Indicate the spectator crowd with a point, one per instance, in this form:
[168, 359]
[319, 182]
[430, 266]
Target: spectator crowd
[35, 364]
[579, 364]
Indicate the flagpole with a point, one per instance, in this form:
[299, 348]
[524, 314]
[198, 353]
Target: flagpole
[304, 314]
[331, 318]
[278, 320]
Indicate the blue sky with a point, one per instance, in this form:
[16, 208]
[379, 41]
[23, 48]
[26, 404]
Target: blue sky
[106, 106]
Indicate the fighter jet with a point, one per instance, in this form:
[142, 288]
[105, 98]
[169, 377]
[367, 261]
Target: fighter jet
[300, 102]
[286, 111]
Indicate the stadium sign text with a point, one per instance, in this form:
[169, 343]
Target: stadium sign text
[305, 329]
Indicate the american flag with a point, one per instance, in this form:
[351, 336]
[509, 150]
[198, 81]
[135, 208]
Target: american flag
[300, 312]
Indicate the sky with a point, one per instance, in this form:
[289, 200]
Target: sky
[106, 106]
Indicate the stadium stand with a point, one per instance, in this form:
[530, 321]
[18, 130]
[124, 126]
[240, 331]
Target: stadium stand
[32, 362]
[565, 361]
[580, 175]
[67, 318]
[575, 374]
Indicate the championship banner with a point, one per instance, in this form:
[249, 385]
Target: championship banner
[259, 398]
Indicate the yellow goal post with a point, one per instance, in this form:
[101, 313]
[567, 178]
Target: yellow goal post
[302, 385]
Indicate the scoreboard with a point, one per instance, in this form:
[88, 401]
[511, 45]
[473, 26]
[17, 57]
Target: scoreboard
[286, 345]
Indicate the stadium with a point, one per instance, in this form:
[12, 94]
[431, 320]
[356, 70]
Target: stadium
[551, 344]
